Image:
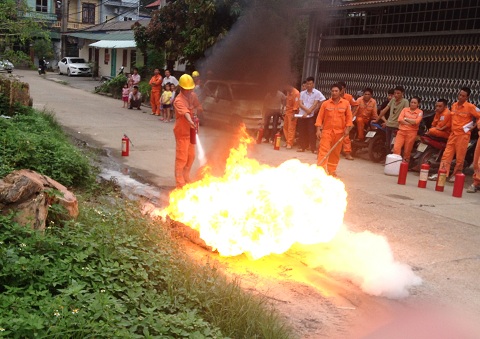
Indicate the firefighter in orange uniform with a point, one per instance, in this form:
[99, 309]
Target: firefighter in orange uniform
[476, 166]
[333, 122]
[441, 124]
[186, 103]
[366, 112]
[462, 114]
[347, 143]
[408, 121]
[156, 84]
[292, 106]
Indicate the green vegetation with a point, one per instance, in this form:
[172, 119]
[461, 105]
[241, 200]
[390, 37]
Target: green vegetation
[113, 86]
[112, 273]
[34, 140]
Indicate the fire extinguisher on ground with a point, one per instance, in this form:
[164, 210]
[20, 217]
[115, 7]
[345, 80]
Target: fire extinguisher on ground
[125, 146]
[277, 141]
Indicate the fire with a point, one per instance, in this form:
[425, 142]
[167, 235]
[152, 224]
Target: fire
[259, 210]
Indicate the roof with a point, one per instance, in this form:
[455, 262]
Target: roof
[104, 36]
[116, 25]
[154, 4]
[114, 44]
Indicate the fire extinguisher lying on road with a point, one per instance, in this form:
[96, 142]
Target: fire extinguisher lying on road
[126, 145]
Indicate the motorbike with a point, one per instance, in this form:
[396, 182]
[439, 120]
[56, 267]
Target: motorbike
[430, 151]
[42, 68]
[376, 138]
[106, 78]
[357, 145]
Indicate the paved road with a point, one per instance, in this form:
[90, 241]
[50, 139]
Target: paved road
[434, 232]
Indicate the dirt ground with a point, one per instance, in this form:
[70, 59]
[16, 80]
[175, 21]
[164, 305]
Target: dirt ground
[435, 234]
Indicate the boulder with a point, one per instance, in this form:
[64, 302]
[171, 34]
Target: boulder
[30, 194]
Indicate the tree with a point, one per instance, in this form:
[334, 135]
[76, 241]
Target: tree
[185, 29]
[17, 25]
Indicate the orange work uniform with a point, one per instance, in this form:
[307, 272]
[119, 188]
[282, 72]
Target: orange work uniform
[292, 105]
[442, 119]
[476, 162]
[407, 133]
[458, 140]
[185, 151]
[156, 84]
[333, 118]
[366, 111]
[347, 143]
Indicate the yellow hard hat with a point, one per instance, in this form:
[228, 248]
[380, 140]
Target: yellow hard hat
[195, 74]
[186, 82]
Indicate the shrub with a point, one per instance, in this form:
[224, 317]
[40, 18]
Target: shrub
[114, 86]
[33, 140]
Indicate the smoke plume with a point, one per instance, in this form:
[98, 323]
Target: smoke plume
[256, 49]
[366, 260]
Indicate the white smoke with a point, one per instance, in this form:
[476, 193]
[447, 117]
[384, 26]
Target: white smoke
[366, 260]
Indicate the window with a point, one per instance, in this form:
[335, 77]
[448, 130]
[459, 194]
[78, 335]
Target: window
[42, 6]
[133, 58]
[223, 92]
[88, 13]
[106, 60]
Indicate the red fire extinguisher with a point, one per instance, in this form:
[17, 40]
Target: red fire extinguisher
[441, 179]
[194, 131]
[259, 135]
[422, 181]
[402, 176]
[458, 186]
[277, 141]
[125, 146]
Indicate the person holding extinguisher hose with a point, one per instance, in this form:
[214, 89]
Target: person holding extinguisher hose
[186, 104]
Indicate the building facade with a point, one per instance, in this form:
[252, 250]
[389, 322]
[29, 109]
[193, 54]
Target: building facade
[432, 48]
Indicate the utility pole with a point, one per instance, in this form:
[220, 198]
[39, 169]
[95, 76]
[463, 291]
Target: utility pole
[64, 27]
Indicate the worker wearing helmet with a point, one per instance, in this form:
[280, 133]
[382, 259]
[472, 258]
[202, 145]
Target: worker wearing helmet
[186, 105]
[195, 74]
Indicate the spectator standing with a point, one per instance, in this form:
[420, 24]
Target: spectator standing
[292, 106]
[185, 105]
[135, 78]
[366, 111]
[333, 122]
[169, 79]
[134, 98]
[156, 85]
[409, 121]
[476, 166]
[125, 93]
[347, 143]
[272, 110]
[166, 103]
[395, 107]
[462, 114]
[441, 124]
[384, 104]
[310, 100]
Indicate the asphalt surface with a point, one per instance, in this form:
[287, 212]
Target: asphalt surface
[433, 232]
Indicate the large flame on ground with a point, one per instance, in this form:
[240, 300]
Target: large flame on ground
[257, 209]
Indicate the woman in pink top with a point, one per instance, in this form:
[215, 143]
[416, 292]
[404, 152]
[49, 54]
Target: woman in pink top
[409, 121]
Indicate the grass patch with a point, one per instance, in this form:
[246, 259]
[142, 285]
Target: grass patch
[113, 273]
[34, 140]
[116, 274]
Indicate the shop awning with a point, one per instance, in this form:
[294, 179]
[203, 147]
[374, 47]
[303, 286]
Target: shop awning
[114, 44]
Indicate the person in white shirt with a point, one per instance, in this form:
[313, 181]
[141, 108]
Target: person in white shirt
[134, 78]
[169, 79]
[134, 98]
[310, 101]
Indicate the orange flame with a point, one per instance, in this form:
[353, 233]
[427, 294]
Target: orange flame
[257, 209]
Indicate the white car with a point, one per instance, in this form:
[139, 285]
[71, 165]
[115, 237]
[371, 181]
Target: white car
[74, 66]
[6, 65]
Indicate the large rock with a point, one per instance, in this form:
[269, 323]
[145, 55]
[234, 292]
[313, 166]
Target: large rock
[30, 194]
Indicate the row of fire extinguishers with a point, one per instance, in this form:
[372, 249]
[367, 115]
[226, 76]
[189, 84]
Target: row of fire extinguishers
[193, 138]
[277, 140]
[441, 179]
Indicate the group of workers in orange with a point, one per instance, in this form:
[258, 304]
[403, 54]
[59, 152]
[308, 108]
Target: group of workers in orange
[334, 122]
